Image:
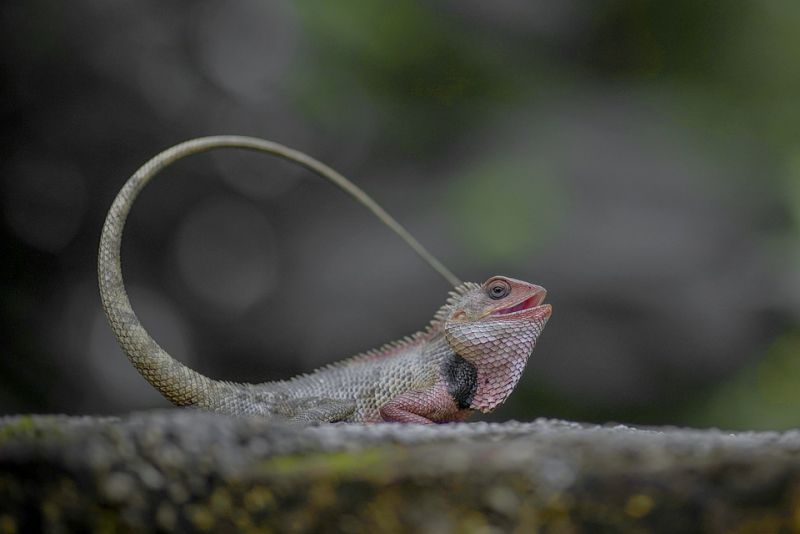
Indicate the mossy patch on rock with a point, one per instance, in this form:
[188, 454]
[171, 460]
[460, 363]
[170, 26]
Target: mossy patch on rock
[188, 470]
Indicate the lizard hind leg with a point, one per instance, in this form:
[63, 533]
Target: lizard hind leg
[392, 413]
[316, 410]
[426, 406]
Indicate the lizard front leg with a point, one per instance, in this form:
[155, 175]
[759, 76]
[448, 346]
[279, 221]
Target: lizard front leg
[426, 406]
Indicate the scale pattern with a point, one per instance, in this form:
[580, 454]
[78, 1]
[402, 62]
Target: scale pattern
[499, 351]
[407, 381]
[181, 385]
[372, 382]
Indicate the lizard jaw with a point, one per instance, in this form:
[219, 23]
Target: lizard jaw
[529, 307]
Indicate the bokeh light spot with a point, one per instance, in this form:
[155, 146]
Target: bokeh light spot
[227, 39]
[226, 254]
[256, 176]
[505, 209]
[44, 204]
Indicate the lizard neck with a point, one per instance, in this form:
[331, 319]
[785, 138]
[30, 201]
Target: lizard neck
[498, 350]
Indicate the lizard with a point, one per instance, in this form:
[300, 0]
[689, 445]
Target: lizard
[468, 359]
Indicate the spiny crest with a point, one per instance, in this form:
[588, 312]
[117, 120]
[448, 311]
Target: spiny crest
[455, 295]
[400, 344]
[387, 349]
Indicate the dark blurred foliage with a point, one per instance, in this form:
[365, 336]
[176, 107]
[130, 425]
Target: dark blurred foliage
[639, 159]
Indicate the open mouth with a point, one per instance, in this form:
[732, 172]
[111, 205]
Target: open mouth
[531, 302]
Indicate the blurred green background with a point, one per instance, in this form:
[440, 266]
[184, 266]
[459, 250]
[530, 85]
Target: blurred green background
[639, 159]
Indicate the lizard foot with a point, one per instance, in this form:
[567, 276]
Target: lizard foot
[314, 410]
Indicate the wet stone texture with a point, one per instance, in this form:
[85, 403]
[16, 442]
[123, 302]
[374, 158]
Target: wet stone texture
[191, 471]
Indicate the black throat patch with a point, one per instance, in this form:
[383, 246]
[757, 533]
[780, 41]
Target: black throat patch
[462, 380]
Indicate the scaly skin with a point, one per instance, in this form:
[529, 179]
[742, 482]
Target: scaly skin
[469, 358]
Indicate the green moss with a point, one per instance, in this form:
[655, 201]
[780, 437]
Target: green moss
[8, 525]
[369, 463]
[19, 426]
[29, 427]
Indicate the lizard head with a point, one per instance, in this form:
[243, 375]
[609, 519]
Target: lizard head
[494, 326]
[499, 298]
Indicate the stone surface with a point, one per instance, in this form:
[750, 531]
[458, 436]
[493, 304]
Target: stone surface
[187, 470]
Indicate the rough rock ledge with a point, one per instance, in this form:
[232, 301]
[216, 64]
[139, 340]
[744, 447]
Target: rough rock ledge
[191, 471]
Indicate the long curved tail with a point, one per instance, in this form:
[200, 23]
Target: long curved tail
[181, 385]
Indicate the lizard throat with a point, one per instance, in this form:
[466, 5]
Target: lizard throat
[498, 350]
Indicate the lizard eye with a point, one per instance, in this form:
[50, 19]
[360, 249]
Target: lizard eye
[498, 289]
